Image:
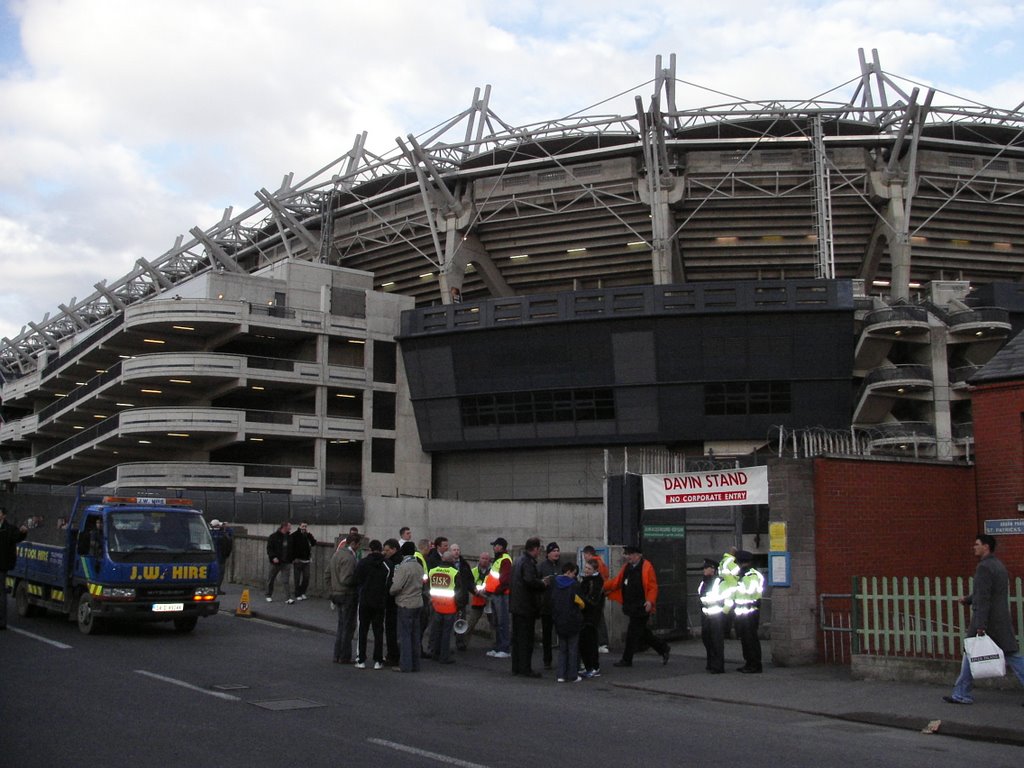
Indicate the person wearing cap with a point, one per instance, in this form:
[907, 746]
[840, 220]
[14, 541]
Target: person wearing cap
[497, 585]
[223, 544]
[746, 597]
[636, 587]
[551, 567]
[712, 621]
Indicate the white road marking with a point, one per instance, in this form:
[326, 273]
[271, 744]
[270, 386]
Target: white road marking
[446, 759]
[40, 638]
[183, 684]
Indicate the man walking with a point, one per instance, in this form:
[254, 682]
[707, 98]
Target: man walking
[524, 604]
[636, 587]
[9, 538]
[302, 554]
[279, 550]
[990, 615]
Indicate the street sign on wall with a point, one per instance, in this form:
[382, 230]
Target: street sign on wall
[1008, 527]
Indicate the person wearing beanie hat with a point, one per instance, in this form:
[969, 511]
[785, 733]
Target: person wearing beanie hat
[551, 567]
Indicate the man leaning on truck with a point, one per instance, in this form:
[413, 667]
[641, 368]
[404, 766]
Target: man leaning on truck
[9, 538]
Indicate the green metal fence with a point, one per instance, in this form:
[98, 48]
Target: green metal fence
[918, 617]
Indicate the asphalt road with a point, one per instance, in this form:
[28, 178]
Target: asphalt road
[248, 693]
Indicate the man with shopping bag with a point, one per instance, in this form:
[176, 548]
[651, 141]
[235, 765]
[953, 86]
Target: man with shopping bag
[990, 616]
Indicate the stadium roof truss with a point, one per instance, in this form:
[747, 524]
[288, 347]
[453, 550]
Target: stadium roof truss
[742, 190]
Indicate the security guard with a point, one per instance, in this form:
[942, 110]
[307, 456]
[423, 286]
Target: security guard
[442, 580]
[712, 621]
[747, 607]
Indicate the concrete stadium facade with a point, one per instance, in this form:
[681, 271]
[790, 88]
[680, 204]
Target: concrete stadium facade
[670, 282]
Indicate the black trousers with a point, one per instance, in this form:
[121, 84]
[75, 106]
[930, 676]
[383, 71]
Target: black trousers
[392, 654]
[639, 634]
[547, 638]
[588, 647]
[746, 631]
[523, 628]
[712, 634]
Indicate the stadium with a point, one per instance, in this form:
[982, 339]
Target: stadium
[509, 322]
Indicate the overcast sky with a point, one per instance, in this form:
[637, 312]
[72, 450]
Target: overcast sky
[124, 123]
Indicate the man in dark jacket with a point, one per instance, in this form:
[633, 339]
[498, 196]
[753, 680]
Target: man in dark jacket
[551, 566]
[990, 616]
[524, 605]
[567, 617]
[223, 544]
[302, 554]
[9, 538]
[393, 558]
[279, 550]
[372, 574]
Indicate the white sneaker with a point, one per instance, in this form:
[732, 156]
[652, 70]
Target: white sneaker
[502, 655]
[270, 599]
[491, 652]
[289, 601]
[378, 665]
[603, 649]
[302, 597]
[360, 665]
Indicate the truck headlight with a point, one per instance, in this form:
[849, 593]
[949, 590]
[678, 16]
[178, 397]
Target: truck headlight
[205, 594]
[118, 593]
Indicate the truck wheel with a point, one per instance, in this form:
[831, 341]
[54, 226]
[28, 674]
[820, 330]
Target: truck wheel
[24, 608]
[88, 623]
[185, 624]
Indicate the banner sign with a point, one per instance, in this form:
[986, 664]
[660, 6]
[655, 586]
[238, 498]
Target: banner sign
[720, 488]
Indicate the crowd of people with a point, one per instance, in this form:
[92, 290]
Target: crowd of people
[423, 600]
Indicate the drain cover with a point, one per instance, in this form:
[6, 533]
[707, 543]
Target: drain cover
[282, 704]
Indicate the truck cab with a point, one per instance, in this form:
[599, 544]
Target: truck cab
[123, 559]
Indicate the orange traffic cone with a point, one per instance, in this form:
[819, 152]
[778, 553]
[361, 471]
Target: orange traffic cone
[243, 608]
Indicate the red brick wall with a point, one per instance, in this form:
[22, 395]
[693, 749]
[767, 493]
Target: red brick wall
[998, 413]
[892, 518]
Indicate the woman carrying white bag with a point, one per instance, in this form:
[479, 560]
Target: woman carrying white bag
[990, 631]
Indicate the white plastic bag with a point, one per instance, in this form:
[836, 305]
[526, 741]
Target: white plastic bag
[985, 657]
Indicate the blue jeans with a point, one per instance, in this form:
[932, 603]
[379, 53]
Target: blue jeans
[409, 639]
[965, 683]
[568, 657]
[502, 627]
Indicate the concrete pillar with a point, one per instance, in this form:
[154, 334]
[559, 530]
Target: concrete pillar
[794, 627]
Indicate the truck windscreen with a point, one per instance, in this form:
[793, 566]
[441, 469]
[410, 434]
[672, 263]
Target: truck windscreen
[134, 531]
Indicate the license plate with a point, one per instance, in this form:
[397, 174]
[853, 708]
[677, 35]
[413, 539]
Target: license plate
[168, 607]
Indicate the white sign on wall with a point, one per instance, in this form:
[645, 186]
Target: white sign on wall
[719, 488]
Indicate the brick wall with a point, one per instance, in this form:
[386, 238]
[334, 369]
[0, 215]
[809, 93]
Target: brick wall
[892, 518]
[998, 412]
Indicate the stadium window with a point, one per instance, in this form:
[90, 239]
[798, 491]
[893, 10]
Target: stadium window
[382, 455]
[742, 398]
[542, 407]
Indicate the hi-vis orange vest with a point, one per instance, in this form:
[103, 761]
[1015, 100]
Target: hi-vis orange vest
[494, 575]
[475, 598]
[442, 589]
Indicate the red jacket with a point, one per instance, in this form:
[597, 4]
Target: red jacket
[614, 586]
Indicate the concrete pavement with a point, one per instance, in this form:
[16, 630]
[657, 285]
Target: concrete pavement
[829, 691]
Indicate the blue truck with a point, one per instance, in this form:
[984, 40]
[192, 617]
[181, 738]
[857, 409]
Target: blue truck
[127, 559]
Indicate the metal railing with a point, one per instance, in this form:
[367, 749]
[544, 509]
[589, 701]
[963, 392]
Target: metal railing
[917, 617]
